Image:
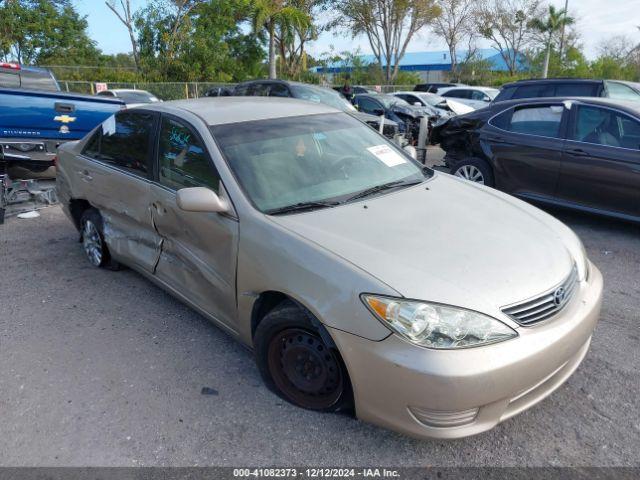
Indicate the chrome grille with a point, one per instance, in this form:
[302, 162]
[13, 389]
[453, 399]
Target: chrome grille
[546, 305]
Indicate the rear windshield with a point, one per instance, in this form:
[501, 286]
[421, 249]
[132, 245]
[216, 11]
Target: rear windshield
[28, 79]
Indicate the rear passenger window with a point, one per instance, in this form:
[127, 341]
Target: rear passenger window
[457, 94]
[92, 148]
[260, 90]
[183, 160]
[278, 90]
[123, 140]
[534, 91]
[241, 90]
[534, 120]
[576, 90]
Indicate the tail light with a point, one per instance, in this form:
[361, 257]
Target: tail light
[55, 161]
[10, 66]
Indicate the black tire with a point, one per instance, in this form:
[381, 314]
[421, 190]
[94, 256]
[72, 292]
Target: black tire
[464, 169]
[92, 238]
[299, 362]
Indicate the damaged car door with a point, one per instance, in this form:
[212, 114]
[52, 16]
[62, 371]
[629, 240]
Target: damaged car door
[199, 249]
[115, 177]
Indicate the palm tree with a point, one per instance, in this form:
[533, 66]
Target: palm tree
[268, 14]
[555, 21]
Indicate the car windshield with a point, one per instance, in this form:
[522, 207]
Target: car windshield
[389, 101]
[294, 161]
[432, 99]
[137, 97]
[325, 96]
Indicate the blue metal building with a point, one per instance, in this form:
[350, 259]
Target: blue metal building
[431, 66]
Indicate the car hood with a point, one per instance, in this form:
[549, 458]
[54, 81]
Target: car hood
[444, 241]
[458, 108]
[410, 111]
[366, 117]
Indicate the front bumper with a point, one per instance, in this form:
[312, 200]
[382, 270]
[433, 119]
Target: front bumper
[456, 393]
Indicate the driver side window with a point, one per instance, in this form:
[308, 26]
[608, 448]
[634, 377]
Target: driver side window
[183, 160]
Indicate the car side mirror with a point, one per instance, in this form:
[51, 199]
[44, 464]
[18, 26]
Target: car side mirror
[417, 104]
[378, 111]
[200, 199]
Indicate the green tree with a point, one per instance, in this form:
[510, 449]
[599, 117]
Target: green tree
[44, 31]
[207, 42]
[506, 23]
[292, 37]
[389, 26]
[268, 15]
[550, 27]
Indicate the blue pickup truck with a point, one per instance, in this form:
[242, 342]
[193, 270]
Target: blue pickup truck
[36, 117]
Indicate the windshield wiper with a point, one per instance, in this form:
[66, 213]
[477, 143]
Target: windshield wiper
[297, 207]
[381, 188]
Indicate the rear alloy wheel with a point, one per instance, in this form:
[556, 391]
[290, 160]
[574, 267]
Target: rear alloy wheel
[299, 362]
[474, 170]
[471, 173]
[92, 243]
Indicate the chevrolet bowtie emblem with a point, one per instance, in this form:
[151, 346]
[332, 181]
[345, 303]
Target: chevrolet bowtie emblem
[64, 119]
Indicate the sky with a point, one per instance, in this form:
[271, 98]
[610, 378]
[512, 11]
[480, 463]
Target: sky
[597, 21]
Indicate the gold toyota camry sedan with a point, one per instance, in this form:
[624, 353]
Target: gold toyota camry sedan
[362, 280]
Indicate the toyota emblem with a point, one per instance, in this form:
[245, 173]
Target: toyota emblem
[559, 295]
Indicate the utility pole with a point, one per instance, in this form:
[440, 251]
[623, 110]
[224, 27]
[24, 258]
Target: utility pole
[564, 26]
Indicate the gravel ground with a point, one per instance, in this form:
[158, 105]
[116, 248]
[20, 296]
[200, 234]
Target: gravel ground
[102, 368]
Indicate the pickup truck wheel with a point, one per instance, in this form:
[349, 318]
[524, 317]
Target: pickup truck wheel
[92, 238]
[297, 364]
[474, 170]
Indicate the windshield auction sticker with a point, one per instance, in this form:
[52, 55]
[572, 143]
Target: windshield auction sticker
[387, 155]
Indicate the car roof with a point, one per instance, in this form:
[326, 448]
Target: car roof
[225, 110]
[467, 87]
[127, 90]
[533, 81]
[627, 105]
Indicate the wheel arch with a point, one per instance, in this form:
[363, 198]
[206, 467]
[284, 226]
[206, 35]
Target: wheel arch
[77, 206]
[270, 299]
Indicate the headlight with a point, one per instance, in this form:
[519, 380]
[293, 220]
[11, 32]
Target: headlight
[437, 326]
[582, 263]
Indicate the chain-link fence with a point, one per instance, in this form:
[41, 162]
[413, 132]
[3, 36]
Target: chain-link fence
[162, 90]
[182, 90]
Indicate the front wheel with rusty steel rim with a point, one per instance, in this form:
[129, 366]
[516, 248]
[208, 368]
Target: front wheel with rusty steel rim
[304, 369]
[299, 361]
